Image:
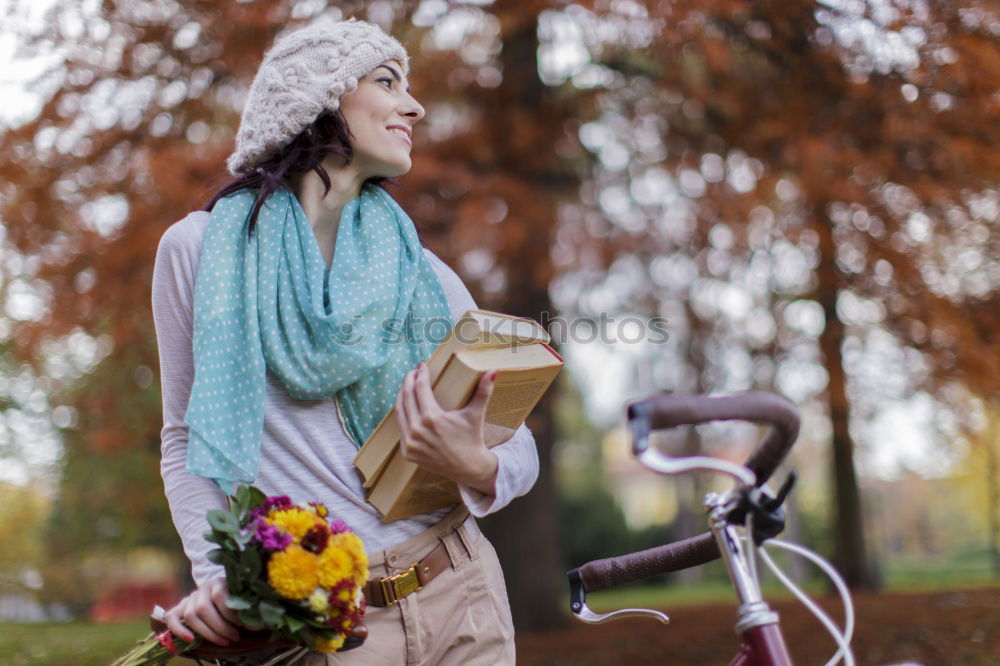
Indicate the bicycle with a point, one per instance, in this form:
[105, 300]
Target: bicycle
[749, 508]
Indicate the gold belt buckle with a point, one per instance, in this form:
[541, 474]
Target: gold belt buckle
[402, 584]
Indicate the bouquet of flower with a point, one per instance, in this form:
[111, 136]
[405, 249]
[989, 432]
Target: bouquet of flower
[289, 569]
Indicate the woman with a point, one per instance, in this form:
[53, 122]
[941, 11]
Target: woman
[268, 306]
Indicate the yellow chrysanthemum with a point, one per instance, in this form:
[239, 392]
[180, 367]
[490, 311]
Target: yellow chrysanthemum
[350, 543]
[293, 572]
[294, 521]
[335, 565]
[329, 644]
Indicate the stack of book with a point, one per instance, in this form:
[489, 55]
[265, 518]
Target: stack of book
[481, 341]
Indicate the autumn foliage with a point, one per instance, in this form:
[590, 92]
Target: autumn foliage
[862, 137]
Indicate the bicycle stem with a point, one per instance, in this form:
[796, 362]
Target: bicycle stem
[730, 545]
[757, 624]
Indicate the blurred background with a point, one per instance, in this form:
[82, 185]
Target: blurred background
[806, 193]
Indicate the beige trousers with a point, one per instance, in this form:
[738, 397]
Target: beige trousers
[461, 617]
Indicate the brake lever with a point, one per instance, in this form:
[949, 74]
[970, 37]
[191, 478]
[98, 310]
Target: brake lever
[578, 604]
[639, 429]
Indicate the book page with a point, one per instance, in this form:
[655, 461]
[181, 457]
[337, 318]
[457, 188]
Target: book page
[510, 400]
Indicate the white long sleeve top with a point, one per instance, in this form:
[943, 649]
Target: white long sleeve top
[304, 452]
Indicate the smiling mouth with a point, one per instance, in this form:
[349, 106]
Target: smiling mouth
[401, 134]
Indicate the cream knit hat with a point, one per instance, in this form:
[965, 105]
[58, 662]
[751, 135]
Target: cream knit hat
[306, 72]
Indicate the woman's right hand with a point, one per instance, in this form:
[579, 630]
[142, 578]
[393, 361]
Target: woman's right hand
[204, 612]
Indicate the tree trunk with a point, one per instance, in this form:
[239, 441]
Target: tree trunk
[691, 518]
[993, 491]
[525, 537]
[525, 534]
[850, 554]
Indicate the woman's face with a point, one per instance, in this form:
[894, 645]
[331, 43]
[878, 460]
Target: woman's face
[380, 115]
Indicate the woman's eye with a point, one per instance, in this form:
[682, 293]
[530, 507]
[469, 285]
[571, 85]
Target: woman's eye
[387, 81]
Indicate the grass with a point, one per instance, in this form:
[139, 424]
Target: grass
[69, 643]
[668, 597]
[86, 644]
[971, 570]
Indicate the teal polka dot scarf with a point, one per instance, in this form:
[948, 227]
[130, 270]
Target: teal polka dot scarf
[269, 303]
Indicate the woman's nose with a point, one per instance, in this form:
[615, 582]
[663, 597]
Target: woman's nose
[413, 109]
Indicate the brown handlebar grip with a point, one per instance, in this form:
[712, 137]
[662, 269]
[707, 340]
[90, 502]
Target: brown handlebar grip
[684, 554]
[668, 411]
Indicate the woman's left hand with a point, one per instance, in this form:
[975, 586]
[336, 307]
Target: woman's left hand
[446, 442]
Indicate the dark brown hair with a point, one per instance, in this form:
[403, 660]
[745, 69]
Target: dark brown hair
[327, 134]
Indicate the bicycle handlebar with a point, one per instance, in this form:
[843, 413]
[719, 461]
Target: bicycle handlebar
[614, 571]
[667, 411]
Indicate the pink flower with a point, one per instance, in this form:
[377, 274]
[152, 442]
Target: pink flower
[273, 502]
[270, 537]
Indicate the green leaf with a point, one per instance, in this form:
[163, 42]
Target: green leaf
[233, 577]
[243, 537]
[263, 590]
[245, 499]
[250, 564]
[242, 499]
[271, 613]
[216, 556]
[238, 603]
[223, 521]
[257, 497]
[227, 560]
[293, 623]
[313, 622]
[250, 618]
[215, 536]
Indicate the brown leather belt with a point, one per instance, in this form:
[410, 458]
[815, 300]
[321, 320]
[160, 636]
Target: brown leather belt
[389, 590]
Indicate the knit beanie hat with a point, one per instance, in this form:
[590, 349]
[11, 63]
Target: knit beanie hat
[306, 72]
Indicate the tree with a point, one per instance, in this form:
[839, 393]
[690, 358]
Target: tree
[768, 120]
[876, 162]
[497, 182]
[135, 136]
[23, 519]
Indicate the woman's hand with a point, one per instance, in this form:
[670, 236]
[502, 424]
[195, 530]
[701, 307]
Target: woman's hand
[448, 443]
[206, 613]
